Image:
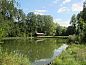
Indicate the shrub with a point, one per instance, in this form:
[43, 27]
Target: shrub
[72, 38]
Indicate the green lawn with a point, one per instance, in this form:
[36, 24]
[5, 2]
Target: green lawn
[75, 54]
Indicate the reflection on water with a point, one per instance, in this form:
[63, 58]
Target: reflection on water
[34, 49]
[56, 53]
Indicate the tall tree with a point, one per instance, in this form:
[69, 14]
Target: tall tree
[6, 12]
[73, 22]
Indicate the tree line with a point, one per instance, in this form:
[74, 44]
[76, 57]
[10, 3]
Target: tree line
[15, 23]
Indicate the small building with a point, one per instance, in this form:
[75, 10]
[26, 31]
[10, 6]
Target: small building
[39, 34]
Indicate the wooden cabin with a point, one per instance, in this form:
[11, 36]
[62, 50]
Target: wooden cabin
[39, 34]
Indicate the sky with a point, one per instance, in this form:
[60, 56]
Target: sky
[60, 10]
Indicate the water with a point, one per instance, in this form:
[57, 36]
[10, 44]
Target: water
[38, 49]
[56, 53]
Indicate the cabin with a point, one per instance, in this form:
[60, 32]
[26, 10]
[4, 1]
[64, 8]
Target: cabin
[39, 34]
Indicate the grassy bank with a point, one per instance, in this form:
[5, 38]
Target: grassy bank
[12, 59]
[7, 38]
[74, 55]
[52, 37]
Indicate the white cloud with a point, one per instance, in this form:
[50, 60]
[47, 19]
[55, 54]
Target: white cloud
[58, 19]
[66, 1]
[63, 1]
[41, 12]
[83, 0]
[77, 7]
[61, 22]
[55, 1]
[63, 10]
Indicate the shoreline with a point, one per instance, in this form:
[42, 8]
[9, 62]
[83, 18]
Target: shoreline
[35, 37]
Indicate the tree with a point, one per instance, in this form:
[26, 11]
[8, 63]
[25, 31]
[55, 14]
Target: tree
[64, 29]
[31, 23]
[70, 30]
[58, 30]
[6, 12]
[80, 22]
[48, 20]
[73, 22]
[40, 23]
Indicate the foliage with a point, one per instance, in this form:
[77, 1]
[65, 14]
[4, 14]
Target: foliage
[12, 58]
[61, 31]
[6, 14]
[74, 55]
[79, 25]
[72, 38]
[40, 23]
[14, 22]
[73, 22]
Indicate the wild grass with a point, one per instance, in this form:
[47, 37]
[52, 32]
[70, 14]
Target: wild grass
[74, 55]
[12, 59]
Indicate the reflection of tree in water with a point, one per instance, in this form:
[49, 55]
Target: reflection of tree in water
[35, 50]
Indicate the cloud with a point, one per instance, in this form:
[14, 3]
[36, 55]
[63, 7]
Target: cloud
[66, 1]
[63, 1]
[55, 1]
[63, 10]
[77, 7]
[83, 0]
[61, 22]
[41, 12]
[58, 19]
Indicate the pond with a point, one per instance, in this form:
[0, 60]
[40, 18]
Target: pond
[36, 49]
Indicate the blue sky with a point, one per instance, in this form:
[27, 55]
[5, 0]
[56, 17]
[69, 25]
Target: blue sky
[60, 10]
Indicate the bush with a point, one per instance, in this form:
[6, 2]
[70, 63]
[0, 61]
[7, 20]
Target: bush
[72, 38]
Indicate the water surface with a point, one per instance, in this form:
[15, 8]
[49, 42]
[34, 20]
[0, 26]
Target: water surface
[37, 49]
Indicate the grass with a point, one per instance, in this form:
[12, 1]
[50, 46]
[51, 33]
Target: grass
[52, 37]
[7, 38]
[74, 55]
[13, 59]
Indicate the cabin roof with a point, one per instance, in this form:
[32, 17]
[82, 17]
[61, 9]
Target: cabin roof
[39, 33]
